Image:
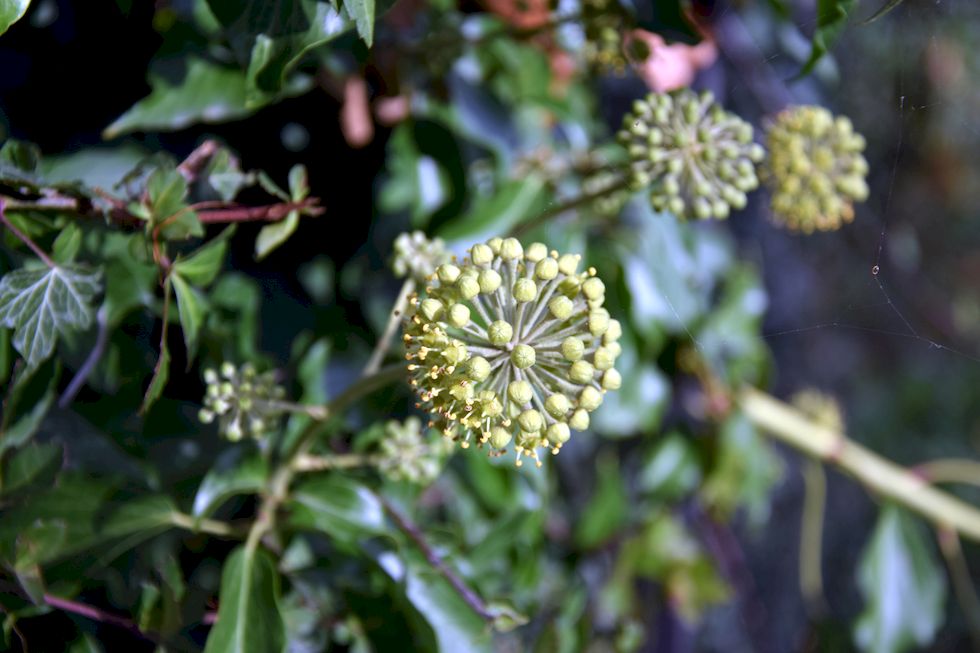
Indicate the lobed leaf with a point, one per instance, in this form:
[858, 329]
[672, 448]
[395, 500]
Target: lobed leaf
[40, 303]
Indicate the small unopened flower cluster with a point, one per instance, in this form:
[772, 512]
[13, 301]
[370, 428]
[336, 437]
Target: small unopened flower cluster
[417, 256]
[245, 403]
[406, 454]
[604, 23]
[815, 169]
[698, 159]
[821, 408]
[512, 346]
[611, 193]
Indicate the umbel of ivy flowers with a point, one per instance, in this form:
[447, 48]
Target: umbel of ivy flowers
[697, 159]
[512, 346]
[245, 403]
[815, 169]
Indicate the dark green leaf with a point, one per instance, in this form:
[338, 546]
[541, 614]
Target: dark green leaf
[67, 244]
[363, 13]
[903, 584]
[27, 425]
[883, 10]
[338, 507]
[249, 620]
[513, 203]
[606, 512]
[289, 32]
[201, 267]
[831, 19]
[273, 235]
[192, 307]
[237, 471]
[161, 372]
[29, 465]
[40, 303]
[207, 92]
[167, 191]
[86, 644]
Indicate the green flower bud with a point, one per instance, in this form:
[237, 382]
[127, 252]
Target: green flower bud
[525, 290]
[581, 372]
[459, 315]
[468, 286]
[557, 405]
[522, 357]
[489, 281]
[561, 307]
[478, 369]
[481, 254]
[447, 273]
[579, 420]
[431, 308]
[536, 252]
[546, 269]
[417, 257]
[520, 392]
[500, 333]
[572, 348]
[589, 398]
[593, 288]
[611, 380]
[499, 438]
[530, 421]
[558, 433]
[511, 248]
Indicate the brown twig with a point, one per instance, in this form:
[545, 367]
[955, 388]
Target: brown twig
[268, 213]
[470, 597]
[24, 238]
[97, 614]
[191, 167]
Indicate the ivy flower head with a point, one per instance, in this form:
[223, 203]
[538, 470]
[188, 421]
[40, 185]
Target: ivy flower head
[512, 346]
[406, 454]
[417, 256]
[815, 169]
[245, 403]
[697, 159]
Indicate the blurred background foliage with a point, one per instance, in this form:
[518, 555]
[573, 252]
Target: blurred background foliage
[673, 525]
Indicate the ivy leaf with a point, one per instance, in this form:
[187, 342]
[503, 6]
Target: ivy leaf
[273, 235]
[337, 506]
[513, 203]
[831, 18]
[248, 613]
[201, 267]
[38, 303]
[903, 585]
[167, 191]
[192, 307]
[11, 11]
[237, 471]
[362, 11]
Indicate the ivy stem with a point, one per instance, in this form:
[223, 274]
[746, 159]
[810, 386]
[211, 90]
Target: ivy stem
[394, 319]
[966, 593]
[568, 205]
[876, 473]
[414, 533]
[311, 463]
[949, 470]
[277, 489]
[24, 238]
[207, 526]
[811, 536]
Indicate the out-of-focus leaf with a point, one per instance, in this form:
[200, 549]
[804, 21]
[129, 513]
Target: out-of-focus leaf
[607, 509]
[249, 620]
[744, 473]
[273, 235]
[224, 173]
[167, 192]
[27, 425]
[415, 182]
[237, 471]
[287, 35]
[67, 244]
[29, 465]
[831, 19]
[11, 11]
[129, 281]
[883, 11]
[201, 267]
[40, 303]
[513, 203]
[671, 470]
[338, 507]
[86, 644]
[363, 13]
[161, 372]
[640, 404]
[455, 627]
[235, 302]
[192, 306]
[207, 92]
[903, 584]
[95, 167]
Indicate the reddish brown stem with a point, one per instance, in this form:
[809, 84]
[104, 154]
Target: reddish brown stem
[24, 238]
[269, 213]
[96, 614]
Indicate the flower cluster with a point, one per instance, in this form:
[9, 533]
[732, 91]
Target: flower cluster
[512, 346]
[604, 23]
[417, 256]
[815, 169]
[407, 455]
[821, 408]
[611, 194]
[698, 159]
[245, 402]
